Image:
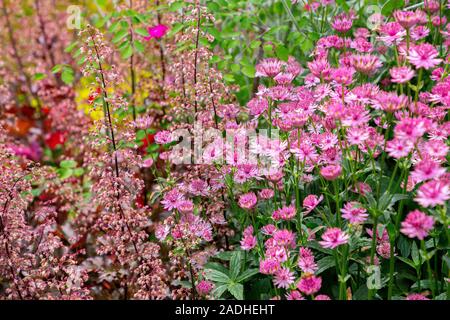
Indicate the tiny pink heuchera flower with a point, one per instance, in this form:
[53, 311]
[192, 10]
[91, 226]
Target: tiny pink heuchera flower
[204, 287]
[354, 212]
[309, 284]
[247, 200]
[333, 237]
[163, 137]
[424, 56]
[417, 225]
[156, 32]
[331, 172]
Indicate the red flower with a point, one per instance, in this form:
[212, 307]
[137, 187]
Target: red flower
[54, 139]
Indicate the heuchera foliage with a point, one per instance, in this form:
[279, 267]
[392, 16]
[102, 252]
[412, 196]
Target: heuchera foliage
[130, 167]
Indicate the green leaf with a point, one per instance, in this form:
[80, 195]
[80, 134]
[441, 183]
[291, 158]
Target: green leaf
[282, 53]
[390, 6]
[237, 290]
[235, 264]
[218, 291]
[78, 172]
[407, 261]
[142, 32]
[67, 75]
[405, 246]
[175, 6]
[415, 254]
[57, 68]
[247, 274]
[65, 173]
[120, 35]
[216, 276]
[224, 255]
[127, 52]
[249, 71]
[39, 76]
[139, 46]
[228, 77]
[68, 164]
[325, 263]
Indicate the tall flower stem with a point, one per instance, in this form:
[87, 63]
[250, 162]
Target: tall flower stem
[429, 271]
[373, 249]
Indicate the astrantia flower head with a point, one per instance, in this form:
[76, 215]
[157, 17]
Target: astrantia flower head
[433, 193]
[309, 284]
[248, 241]
[343, 75]
[284, 213]
[331, 172]
[365, 63]
[427, 169]
[401, 74]
[269, 266]
[306, 260]
[342, 23]
[333, 237]
[416, 296]
[417, 225]
[392, 33]
[283, 278]
[310, 202]
[354, 212]
[247, 200]
[407, 19]
[424, 56]
[269, 68]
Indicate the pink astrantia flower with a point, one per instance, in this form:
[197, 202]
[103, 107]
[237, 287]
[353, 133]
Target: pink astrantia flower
[283, 278]
[248, 241]
[306, 260]
[284, 213]
[416, 296]
[427, 169]
[333, 237]
[268, 68]
[294, 295]
[354, 212]
[309, 284]
[247, 200]
[269, 266]
[433, 193]
[156, 32]
[266, 194]
[392, 33]
[331, 172]
[322, 297]
[310, 202]
[424, 56]
[401, 74]
[417, 225]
